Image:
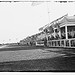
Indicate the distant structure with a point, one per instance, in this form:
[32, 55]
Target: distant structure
[58, 33]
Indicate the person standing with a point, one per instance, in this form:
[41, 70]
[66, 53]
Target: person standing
[45, 42]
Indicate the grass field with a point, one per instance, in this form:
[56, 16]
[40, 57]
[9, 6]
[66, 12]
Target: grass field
[52, 64]
[21, 58]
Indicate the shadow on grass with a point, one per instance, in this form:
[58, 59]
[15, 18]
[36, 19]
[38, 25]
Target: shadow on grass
[58, 64]
[14, 48]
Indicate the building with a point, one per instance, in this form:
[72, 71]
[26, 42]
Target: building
[61, 32]
[31, 40]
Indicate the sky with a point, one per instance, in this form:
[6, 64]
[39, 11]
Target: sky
[19, 20]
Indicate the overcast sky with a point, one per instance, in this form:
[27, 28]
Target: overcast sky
[19, 20]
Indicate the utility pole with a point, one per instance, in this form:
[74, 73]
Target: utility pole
[47, 3]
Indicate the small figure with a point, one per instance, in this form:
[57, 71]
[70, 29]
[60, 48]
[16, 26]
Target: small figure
[45, 41]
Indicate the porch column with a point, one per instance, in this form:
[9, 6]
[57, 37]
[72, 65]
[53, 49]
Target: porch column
[66, 32]
[60, 33]
[69, 43]
[54, 33]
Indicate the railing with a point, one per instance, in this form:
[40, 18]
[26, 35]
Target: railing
[70, 43]
[62, 43]
[40, 43]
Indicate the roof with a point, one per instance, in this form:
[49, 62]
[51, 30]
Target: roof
[61, 20]
[68, 19]
[65, 19]
[52, 23]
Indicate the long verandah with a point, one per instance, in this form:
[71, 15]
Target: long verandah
[67, 37]
[61, 43]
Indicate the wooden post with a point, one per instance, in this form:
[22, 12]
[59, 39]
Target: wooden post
[64, 43]
[60, 33]
[54, 33]
[60, 43]
[50, 43]
[66, 32]
[69, 43]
